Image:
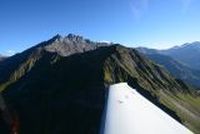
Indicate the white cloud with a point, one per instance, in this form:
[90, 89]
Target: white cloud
[10, 52]
[106, 41]
[139, 7]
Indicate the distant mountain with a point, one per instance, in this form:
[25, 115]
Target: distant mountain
[177, 68]
[187, 54]
[60, 85]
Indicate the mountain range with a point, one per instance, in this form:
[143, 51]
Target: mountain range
[60, 86]
[181, 61]
[187, 54]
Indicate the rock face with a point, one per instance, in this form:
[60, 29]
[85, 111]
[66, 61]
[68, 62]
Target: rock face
[60, 85]
[71, 44]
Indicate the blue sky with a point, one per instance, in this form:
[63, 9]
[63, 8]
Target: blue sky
[150, 23]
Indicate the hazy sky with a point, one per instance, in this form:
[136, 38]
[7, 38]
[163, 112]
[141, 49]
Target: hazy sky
[150, 23]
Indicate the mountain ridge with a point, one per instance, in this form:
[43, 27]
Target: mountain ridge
[64, 46]
[195, 44]
[178, 68]
[187, 54]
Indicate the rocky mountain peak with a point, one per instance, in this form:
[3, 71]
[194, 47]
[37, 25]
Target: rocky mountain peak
[70, 44]
[69, 38]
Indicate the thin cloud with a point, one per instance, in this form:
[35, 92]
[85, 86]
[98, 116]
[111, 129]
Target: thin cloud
[139, 7]
[186, 4]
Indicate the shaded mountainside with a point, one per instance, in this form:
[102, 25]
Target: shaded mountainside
[2, 58]
[176, 68]
[64, 92]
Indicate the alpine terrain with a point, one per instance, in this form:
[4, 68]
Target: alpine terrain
[60, 86]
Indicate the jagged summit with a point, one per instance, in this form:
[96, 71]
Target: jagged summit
[70, 44]
[74, 37]
[57, 37]
[70, 37]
